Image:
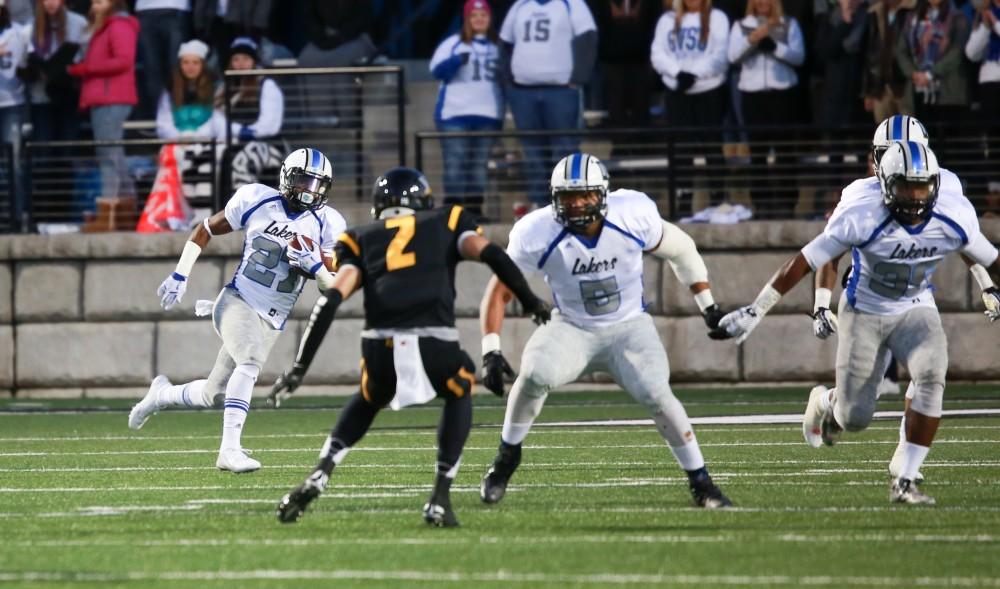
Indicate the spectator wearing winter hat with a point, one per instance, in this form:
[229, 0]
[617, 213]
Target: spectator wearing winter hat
[470, 99]
[984, 46]
[108, 86]
[257, 105]
[188, 106]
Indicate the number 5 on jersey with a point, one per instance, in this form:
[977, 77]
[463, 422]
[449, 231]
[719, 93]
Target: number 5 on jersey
[395, 258]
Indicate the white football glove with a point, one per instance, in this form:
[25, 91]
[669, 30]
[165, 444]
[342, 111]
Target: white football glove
[991, 298]
[824, 323]
[306, 259]
[172, 290]
[739, 323]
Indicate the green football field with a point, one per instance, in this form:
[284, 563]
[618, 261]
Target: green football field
[86, 502]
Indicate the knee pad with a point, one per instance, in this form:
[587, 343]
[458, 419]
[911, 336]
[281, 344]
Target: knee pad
[249, 370]
[928, 399]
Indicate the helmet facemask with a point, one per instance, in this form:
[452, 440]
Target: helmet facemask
[593, 206]
[306, 190]
[911, 200]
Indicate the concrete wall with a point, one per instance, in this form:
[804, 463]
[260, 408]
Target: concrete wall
[79, 314]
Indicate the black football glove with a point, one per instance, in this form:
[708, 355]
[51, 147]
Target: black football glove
[284, 387]
[540, 312]
[685, 80]
[495, 366]
[712, 315]
[767, 45]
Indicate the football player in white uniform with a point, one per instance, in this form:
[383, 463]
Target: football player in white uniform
[589, 244]
[894, 128]
[897, 226]
[289, 235]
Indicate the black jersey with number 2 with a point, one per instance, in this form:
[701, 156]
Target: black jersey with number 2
[408, 266]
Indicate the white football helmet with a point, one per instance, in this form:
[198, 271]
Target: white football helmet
[579, 172]
[897, 128]
[306, 179]
[910, 178]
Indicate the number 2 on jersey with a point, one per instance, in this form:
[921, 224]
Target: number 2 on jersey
[395, 258]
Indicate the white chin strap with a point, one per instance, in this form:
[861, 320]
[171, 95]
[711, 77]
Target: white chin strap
[395, 212]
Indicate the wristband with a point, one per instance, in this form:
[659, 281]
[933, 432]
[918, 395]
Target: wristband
[491, 343]
[767, 298]
[324, 279]
[704, 299]
[822, 299]
[188, 257]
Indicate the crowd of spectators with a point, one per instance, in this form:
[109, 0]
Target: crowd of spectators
[76, 69]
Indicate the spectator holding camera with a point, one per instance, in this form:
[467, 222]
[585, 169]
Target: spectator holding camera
[984, 46]
[470, 99]
[930, 56]
[188, 106]
[108, 87]
[689, 53]
[769, 46]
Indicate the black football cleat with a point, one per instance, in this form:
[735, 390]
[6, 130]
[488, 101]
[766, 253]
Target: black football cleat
[494, 484]
[439, 514]
[708, 495]
[294, 504]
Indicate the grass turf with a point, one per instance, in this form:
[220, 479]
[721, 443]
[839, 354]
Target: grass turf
[86, 502]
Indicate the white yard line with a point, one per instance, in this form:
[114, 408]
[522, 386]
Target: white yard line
[502, 577]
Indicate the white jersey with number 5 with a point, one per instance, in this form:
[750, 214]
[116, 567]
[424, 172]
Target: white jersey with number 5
[594, 282]
[892, 264]
[264, 278]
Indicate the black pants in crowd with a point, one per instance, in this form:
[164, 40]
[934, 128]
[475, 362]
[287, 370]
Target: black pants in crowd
[772, 195]
[705, 109]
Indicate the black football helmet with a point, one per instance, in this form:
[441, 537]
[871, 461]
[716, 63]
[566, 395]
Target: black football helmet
[401, 187]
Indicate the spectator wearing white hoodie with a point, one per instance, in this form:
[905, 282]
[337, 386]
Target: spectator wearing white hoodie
[768, 46]
[689, 54]
[984, 45]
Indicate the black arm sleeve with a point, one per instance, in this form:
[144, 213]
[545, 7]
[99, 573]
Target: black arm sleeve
[319, 323]
[509, 274]
[506, 54]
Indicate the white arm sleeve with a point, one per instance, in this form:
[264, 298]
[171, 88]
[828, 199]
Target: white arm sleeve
[679, 250]
[821, 250]
[981, 250]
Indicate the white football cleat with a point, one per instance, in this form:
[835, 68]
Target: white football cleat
[236, 460]
[147, 407]
[887, 387]
[812, 421]
[896, 465]
[906, 491]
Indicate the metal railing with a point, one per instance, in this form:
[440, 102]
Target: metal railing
[64, 177]
[10, 219]
[786, 172]
[354, 115]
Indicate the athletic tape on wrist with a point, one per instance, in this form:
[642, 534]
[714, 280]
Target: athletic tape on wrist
[704, 299]
[822, 298]
[767, 299]
[188, 257]
[491, 343]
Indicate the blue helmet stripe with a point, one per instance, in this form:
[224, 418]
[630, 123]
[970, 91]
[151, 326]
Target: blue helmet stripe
[897, 128]
[574, 163]
[918, 158]
[314, 158]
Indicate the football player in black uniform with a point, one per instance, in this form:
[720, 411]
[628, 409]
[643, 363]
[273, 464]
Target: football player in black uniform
[405, 262]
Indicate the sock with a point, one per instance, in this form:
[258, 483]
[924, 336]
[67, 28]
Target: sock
[826, 401]
[332, 454]
[523, 407]
[442, 489]
[453, 431]
[514, 433]
[689, 456]
[902, 429]
[239, 390]
[913, 458]
[186, 395]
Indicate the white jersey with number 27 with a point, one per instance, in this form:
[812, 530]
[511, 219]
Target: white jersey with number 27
[595, 282]
[892, 264]
[264, 278]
